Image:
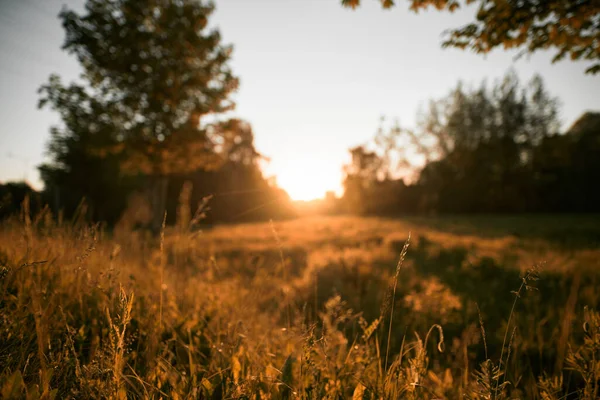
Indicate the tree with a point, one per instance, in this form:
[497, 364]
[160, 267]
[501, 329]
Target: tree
[361, 174]
[81, 168]
[569, 27]
[480, 148]
[152, 73]
[239, 189]
[567, 167]
[467, 118]
[483, 141]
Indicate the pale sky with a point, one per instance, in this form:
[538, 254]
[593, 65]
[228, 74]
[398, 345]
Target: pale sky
[315, 78]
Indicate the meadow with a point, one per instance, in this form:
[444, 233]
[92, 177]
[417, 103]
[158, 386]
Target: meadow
[323, 307]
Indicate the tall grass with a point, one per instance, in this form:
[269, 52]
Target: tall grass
[81, 318]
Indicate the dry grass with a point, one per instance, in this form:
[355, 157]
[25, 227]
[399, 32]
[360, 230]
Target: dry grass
[309, 309]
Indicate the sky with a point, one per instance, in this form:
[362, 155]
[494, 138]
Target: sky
[315, 79]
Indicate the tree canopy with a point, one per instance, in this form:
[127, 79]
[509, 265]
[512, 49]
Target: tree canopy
[568, 27]
[153, 71]
[149, 107]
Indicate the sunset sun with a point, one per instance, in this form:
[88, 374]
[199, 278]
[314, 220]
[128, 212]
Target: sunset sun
[308, 182]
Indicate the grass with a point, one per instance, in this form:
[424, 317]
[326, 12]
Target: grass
[328, 307]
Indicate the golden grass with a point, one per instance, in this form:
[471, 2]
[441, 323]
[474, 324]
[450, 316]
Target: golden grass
[304, 309]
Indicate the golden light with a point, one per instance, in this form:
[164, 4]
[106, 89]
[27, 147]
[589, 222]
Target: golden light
[309, 181]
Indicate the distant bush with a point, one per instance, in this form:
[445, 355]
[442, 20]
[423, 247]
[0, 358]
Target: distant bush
[12, 195]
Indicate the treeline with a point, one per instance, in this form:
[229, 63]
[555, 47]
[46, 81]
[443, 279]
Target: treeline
[485, 150]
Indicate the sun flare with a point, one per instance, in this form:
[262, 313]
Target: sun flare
[308, 183]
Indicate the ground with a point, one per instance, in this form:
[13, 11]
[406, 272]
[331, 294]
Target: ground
[302, 306]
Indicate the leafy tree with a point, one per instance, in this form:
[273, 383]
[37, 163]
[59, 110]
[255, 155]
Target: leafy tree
[235, 142]
[567, 167]
[152, 72]
[360, 174]
[370, 186]
[467, 118]
[483, 140]
[481, 151]
[365, 170]
[81, 166]
[365, 165]
[569, 27]
[238, 187]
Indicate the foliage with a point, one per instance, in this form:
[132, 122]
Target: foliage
[484, 150]
[362, 174]
[237, 189]
[569, 27]
[82, 166]
[135, 129]
[12, 195]
[152, 74]
[157, 72]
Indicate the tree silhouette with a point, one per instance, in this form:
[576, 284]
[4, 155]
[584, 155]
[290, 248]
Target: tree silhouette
[82, 166]
[152, 72]
[570, 27]
[12, 195]
[482, 141]
[486, 150]
[361, 174]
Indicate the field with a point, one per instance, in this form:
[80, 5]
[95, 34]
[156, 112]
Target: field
[319, 307]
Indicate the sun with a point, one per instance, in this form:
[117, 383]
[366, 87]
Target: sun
[303, 192]
[308, 182]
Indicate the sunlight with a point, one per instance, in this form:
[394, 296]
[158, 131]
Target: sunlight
[309, 182]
